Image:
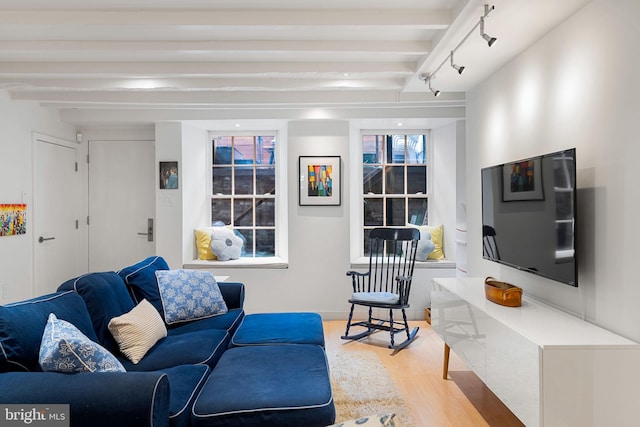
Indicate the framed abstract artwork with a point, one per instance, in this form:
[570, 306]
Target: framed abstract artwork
[13, 219]
[320, 181]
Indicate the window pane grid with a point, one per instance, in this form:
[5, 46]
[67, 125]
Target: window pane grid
[394, 190]
[243, 191]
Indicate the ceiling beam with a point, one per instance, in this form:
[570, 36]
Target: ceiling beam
[195, 69]
[380, 47]
[384, 18]
[290, 82]
[226, 98]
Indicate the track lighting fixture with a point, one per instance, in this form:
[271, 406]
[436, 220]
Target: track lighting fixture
[436, 92]
[458, 68]
[427, 80]
[490, 40]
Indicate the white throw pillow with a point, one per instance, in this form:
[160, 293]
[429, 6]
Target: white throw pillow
[225, 245]
[138, 330]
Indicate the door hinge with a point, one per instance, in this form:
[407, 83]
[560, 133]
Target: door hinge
[87, 159]
[76, 166]
[87, 219]
[77, 224]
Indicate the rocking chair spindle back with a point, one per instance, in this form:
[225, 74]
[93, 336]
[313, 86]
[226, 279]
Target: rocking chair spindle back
[387, 284]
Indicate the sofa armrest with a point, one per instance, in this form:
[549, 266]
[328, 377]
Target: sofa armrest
[233, 294]
[96, 399]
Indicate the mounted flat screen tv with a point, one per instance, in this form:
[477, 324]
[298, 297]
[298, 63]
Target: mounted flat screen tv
[529, 215]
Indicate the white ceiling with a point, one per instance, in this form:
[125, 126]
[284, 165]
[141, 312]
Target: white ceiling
[201, 59]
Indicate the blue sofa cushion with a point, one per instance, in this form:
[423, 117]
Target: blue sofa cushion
[271, 385]
[22, 325]
[202, 348]
[141, 278]
[228, 321]
[106, 296]
[185, 382]
[65, 349]
[279, 328]
[189, 295]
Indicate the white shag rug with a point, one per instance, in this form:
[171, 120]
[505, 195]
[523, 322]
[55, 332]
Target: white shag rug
[362, 387]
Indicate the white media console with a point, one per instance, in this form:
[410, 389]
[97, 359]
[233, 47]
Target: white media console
[550, 368]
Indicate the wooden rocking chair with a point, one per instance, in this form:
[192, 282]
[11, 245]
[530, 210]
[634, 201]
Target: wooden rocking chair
[387, 284]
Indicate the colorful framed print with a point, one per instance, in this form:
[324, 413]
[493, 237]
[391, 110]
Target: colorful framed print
[13, 219]
[320, 181]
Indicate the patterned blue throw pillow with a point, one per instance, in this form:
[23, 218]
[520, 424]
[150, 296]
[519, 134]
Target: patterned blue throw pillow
[65, 349]
[189, 295]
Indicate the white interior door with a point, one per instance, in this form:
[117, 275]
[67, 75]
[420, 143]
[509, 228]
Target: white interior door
[121, 203]
[55, 214]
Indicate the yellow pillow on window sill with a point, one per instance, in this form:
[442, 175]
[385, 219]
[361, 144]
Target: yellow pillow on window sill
[203, 243]
[437, 237]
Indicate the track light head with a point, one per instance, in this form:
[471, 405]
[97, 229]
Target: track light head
[490, 40]
[436, 92]
[458, 68]
[427, 80]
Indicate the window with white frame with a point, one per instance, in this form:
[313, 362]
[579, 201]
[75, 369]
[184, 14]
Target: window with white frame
[394, 181]
[244, 190]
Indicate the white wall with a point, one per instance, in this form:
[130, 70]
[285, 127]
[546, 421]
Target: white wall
[576, 87]
[169, 207]
[443, 206]
[195, 177]
[18, 120]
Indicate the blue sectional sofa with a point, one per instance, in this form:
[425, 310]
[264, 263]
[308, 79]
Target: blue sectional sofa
[192, 376]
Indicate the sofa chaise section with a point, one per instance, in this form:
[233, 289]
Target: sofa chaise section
[283, 385]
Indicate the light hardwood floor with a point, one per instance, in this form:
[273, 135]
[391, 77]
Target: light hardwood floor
[462, 400]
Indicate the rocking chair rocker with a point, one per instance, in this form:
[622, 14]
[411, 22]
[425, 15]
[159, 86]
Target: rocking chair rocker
[386, 285]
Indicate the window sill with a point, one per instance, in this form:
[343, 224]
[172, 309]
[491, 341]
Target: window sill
[270, 262]
[363, 262]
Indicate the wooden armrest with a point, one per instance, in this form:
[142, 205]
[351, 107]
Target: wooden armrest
[357, 273]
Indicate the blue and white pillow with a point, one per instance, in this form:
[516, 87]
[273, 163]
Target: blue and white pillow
[189, 295]
[65, 349]
[425, 244]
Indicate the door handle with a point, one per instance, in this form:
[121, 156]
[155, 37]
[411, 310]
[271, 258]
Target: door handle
[44, 239]
[149, 232]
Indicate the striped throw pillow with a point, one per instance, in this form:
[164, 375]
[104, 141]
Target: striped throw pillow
[138, 330]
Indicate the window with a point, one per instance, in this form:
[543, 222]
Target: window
[244, 190]
[394, 182]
